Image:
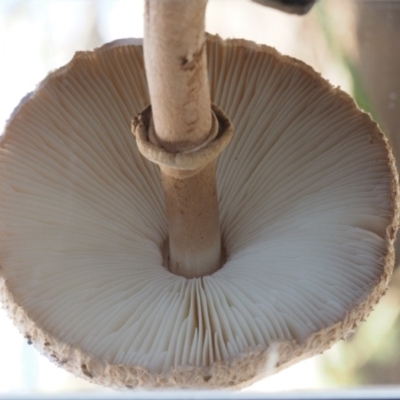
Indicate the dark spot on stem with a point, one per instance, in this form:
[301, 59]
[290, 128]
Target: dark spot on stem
[189, 63]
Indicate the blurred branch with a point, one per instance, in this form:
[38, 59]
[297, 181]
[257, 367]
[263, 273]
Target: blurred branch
[299, 7]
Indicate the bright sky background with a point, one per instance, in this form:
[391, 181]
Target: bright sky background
[38, 36]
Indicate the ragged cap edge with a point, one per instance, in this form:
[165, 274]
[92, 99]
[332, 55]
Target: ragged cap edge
[64, 69]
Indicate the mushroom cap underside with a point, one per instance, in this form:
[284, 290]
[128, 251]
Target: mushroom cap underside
[308, 211]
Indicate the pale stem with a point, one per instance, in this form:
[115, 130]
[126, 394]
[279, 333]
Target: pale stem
[176, 69]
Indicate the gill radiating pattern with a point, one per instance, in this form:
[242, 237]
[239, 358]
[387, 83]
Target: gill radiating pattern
[83, 215]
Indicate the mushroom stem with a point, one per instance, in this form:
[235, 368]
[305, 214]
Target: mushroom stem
[176, 69]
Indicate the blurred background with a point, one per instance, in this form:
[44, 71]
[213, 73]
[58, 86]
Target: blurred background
[355, 44]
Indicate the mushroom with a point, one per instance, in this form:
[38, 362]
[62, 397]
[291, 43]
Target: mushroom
[308, 203]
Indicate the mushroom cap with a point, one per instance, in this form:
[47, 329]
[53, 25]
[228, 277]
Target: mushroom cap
[308, 196]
